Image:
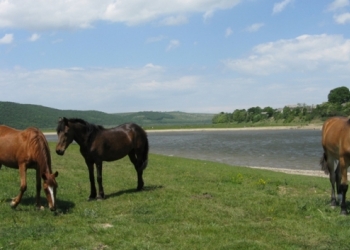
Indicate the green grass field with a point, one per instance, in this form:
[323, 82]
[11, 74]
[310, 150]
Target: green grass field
[186, 204]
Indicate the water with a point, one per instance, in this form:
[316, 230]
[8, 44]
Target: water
[287, 148]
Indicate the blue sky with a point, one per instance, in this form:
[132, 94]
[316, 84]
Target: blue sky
[203, 56]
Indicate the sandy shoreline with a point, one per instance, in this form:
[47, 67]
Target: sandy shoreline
[318, 173]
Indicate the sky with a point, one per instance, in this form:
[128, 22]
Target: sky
[196, 56]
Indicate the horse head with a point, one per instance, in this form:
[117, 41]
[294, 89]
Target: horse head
[65, 135]
[50, 188]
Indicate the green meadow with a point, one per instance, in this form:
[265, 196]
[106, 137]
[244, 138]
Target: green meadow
[186, 204]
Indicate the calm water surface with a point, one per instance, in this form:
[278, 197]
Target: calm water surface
[290, 148]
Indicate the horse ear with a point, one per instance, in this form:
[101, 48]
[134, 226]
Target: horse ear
[64, 120]
[55, 174]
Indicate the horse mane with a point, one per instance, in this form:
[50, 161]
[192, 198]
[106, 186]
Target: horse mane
[91, 129]
[42, 151]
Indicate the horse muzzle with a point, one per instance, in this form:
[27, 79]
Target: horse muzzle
[59, 151]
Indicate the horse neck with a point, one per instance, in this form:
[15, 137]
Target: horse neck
[80, 134]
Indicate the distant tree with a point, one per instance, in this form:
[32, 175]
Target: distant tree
[221, 118]
[254, 110]
[239, 115]
[328, 109]
[339, 95]
[269, 111]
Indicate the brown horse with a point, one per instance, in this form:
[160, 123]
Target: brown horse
[336, 146]
[28, 149]
[98, 144]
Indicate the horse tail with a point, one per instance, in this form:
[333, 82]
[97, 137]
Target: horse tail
[145, 153]
[324, 164]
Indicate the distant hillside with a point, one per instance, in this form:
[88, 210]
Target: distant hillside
[24, 115]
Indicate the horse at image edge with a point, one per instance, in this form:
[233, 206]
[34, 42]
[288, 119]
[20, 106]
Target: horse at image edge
[336, 147]
[23, 149]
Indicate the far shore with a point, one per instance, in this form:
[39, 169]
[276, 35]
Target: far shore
[309, 127]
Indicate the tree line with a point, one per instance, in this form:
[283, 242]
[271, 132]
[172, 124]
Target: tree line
[338, 105]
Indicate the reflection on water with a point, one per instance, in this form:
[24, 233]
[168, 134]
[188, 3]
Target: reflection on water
[293, 148]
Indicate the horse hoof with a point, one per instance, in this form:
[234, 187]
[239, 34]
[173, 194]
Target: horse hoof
[41, 208]
[13, 204]
[344, 212]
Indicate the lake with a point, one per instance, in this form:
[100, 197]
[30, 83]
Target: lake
[281, 148]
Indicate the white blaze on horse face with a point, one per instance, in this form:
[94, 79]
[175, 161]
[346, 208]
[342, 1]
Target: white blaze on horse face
[52, 195]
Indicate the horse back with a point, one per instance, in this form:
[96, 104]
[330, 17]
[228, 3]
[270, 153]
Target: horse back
[336, 136]
[17, 146]
[115, 143]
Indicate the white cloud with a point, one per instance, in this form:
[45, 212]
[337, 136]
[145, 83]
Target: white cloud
[255, 27]
[279, 7]
[302, 54]
[155, 39]
[342, 18]
[174, 20]
[136, 89]
[34, 37]
[228, 32]
[173, 44]
[6, 39]
[208, 14]
[338, 4]
[58, 14]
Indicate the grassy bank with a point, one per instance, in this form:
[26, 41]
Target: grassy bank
[187, 204]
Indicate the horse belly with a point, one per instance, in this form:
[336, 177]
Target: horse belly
[112, 149]
[9, 163]
[114, 155]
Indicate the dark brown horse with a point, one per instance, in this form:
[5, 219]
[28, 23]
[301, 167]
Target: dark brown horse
[336, 147]
[98, 144]
[28, 149]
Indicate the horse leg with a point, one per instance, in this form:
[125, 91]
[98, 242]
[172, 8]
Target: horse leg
[138, 168]
[23, 187]
[329, 164]
[343, 187]
[90, 166]
[337, 181]
[101, 194]
[332, 179]
[38, 189]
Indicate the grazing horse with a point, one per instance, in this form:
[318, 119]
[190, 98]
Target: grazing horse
[98, 144]
[25, 149]
[336, 147]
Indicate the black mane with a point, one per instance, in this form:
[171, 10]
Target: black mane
[91, 129]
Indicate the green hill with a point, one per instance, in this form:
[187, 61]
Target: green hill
[24, 115]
